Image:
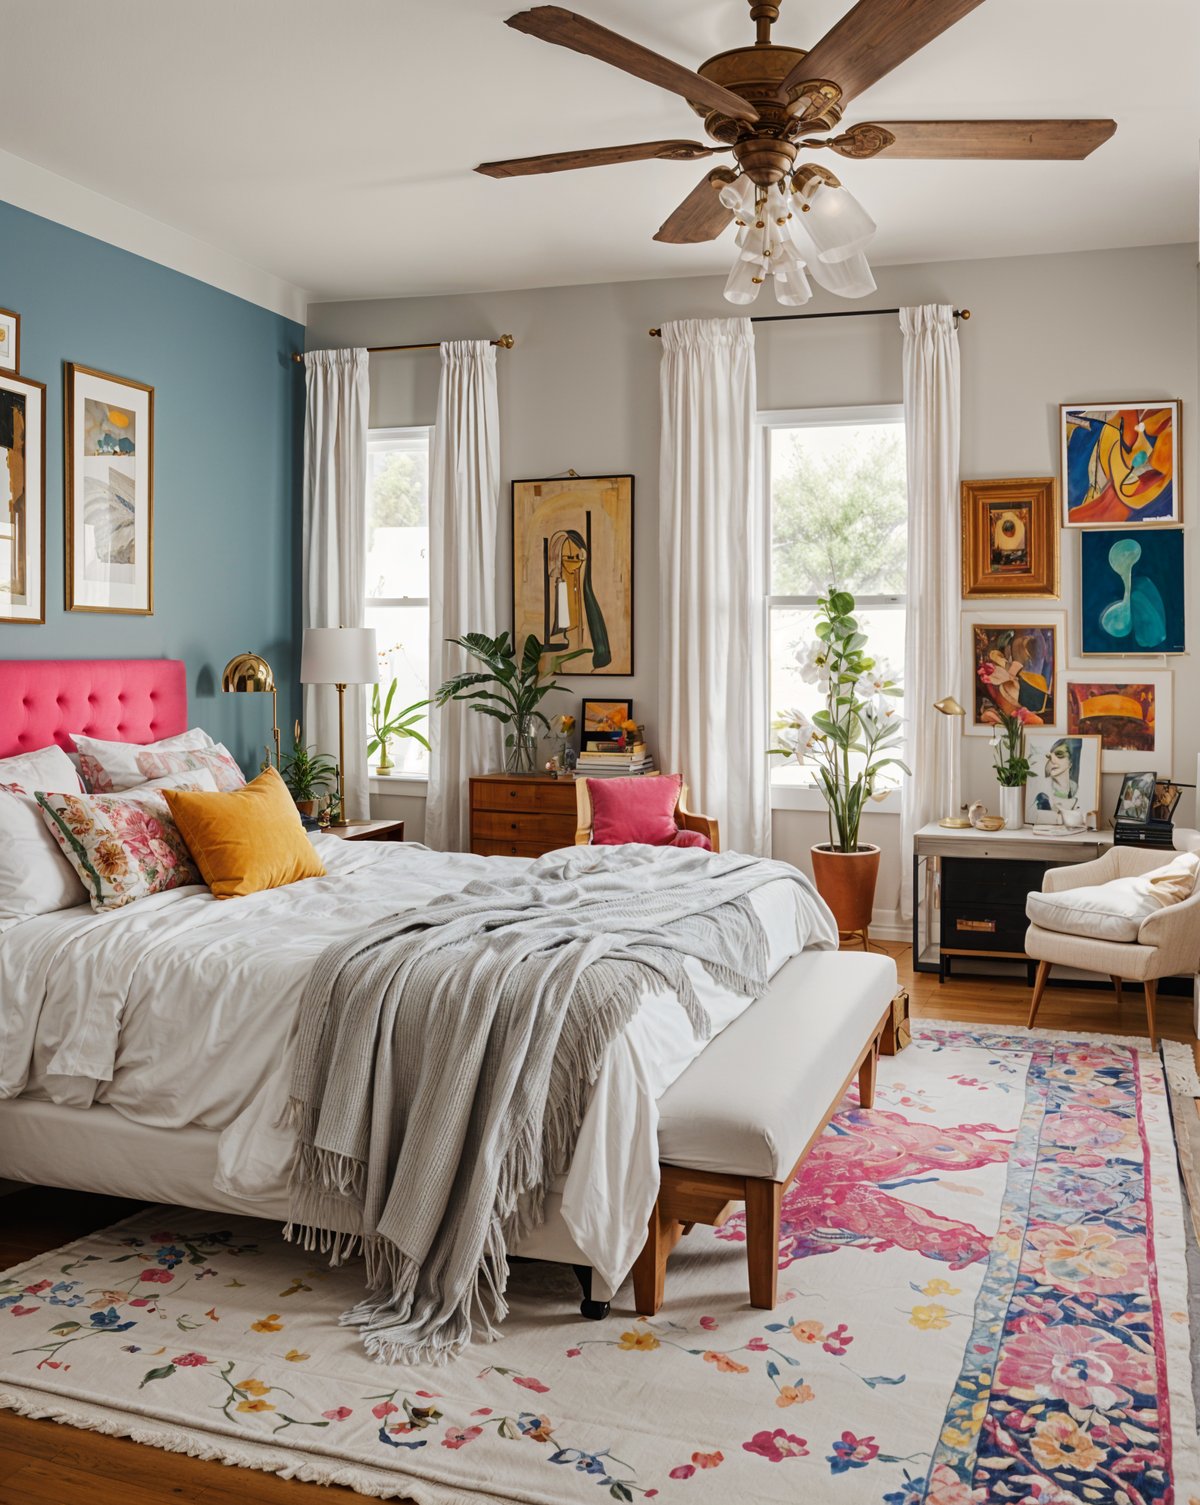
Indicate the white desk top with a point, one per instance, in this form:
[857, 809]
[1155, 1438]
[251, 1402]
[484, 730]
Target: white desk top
[1036, 843]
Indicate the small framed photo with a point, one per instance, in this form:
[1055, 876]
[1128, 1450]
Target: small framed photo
[1135, 803]
[603, 720]
[108, 436]
[22, 499]
[10, 340]
[1064, 774]
[1166, 797]
[1010, 538]
[1121, 463]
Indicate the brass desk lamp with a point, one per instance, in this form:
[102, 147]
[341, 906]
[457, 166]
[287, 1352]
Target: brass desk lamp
[249, 673]
[948, 706]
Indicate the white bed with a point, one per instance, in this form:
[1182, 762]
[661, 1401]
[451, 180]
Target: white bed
[145, 1051]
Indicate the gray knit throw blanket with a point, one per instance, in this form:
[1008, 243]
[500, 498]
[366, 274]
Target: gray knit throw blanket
[444, 1059]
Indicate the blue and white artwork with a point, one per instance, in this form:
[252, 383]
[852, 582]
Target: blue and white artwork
[1131, 591]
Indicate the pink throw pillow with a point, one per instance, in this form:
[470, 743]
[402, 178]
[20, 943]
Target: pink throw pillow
[636, 809]
[692, 839]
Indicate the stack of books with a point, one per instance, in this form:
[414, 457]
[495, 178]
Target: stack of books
[618, 763]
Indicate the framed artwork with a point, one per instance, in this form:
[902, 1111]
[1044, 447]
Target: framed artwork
[22, 499]
[1064, 774]
[1166, 799]
[1013, 661]
[1121, 463]
[1131, 597]
[10, 340]
[598, 718]
[1131, 714]
[1135, 803]
[573, 569]
[108, 436]
[1010, 538]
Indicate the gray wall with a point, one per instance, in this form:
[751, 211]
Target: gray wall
[581, 390]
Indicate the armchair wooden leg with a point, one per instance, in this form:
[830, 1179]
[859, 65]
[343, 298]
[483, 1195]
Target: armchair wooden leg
[1151, 986]
[1116, 982]
[866, 1076]
[650, 1267]
[1039, 987]
[764, 1200]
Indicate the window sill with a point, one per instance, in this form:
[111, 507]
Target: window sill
[411, 786]
[805, 797]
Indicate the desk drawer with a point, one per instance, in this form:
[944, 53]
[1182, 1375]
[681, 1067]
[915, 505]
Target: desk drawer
[967, 880]
[983, 927]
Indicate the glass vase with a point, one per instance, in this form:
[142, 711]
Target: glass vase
[521, 753]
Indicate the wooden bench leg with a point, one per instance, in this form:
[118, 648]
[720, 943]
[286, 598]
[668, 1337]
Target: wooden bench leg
[764, 1200]
[866, 1076]
[1039, 987]
[650, 1267]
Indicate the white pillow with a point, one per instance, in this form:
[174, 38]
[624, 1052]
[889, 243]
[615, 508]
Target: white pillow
[35, 877]
[1114, 911]
[110, 767]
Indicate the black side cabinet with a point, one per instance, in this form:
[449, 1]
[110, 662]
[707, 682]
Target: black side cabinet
[983, 907]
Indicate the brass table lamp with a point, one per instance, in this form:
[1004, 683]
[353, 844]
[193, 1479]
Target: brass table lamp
[249, 673]
[948, 706]
[339, 656]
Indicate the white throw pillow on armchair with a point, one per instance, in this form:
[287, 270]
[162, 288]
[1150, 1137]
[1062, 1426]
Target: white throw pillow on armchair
[1115, 911]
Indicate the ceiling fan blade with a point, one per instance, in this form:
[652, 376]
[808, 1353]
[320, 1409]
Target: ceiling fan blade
[598, 156]
[564, 28]
[701, 216]
[872, 39]
[999, 140]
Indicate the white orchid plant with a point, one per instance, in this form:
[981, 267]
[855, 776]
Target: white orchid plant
[855, 736]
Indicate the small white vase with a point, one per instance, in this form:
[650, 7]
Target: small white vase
[1012, 806]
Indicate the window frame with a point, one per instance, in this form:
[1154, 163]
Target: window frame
[383, 438]
[786, 795]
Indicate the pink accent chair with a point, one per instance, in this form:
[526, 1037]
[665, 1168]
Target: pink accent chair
[685, 820]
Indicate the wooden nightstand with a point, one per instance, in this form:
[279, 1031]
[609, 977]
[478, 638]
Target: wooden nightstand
[521, 815]
[369, 830]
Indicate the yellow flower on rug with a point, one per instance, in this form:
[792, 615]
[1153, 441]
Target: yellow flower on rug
[643, 1342]
[929, 1318]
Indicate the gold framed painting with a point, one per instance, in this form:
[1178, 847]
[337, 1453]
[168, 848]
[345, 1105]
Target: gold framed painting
[22, 499]
[1010, 538]
[108, 439]
[573, 569]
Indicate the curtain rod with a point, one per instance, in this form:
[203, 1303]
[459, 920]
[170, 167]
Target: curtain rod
[839, 313]
[503, 342]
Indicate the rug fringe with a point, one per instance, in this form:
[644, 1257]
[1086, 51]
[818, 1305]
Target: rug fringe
[1180, 1061]
[922, 1022]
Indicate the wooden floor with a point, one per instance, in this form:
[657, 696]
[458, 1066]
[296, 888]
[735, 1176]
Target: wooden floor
[42, 1463]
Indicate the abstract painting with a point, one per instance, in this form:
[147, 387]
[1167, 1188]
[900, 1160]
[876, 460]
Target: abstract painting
[602, 718]
[1120, 463]
[1131, 597]
[109, 442]
[1010, 538]
[10, 340]
[22, 499]
[573, 569]
[1130, 714]
[1064, 774]
[1013, 666]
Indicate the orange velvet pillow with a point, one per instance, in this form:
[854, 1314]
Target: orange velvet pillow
[247, 840]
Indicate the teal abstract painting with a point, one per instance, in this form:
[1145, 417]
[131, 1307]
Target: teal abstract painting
[1131, 591]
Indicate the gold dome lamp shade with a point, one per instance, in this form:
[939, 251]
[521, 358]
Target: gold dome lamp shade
[250, 674]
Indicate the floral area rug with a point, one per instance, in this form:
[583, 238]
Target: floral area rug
[982, 1298]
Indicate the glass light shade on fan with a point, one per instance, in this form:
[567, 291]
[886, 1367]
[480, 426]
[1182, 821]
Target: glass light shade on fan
[744, 281]
[792, 287]
[739, 196]
[848, 279]
[837, 223]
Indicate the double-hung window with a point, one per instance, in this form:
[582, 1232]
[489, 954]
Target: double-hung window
[838, 504]
[397, 575]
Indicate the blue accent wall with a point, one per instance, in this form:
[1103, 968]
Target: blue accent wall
[228, 445]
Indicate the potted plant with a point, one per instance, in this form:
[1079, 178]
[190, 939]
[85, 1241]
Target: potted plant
[1012, 769]
[385, 725]
[509, 689]
[307, 774]
[850, 742]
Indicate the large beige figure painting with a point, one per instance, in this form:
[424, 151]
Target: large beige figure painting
[573, 569]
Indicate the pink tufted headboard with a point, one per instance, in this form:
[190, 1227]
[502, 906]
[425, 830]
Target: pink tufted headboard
[121, 699]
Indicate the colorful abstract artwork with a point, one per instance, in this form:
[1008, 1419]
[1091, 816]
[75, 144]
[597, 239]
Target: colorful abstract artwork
[109, 441]
[573, 569]
[1121, 464]
[1064, 774]
[22, 499]
[1014, 669]
[1131, 715]
[1131, 591]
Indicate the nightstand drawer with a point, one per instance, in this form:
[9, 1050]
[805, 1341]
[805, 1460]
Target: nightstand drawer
[555, 796]
[516, 825]
[508, 848]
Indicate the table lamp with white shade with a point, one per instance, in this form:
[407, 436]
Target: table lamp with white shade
[339, 656]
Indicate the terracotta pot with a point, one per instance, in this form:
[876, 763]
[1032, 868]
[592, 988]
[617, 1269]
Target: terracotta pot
[846, 881]
[307, 807]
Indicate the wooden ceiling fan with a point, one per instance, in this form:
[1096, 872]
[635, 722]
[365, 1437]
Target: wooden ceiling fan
[766, 103]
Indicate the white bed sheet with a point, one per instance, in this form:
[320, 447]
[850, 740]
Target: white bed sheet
[180, 1010]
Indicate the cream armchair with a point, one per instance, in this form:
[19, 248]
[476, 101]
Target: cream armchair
[1168, 943]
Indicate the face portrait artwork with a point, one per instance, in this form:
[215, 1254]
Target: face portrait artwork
[1064, 775]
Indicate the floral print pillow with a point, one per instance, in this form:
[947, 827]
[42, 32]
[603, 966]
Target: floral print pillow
[124, 847]
[216, 759]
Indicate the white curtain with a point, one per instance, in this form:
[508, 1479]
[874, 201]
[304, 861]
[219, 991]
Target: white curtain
[338, 393]
[712, 567]
[932, 651]
[464, 517]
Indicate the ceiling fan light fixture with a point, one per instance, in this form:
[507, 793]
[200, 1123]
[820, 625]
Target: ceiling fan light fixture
[838, 224]
[792, 287]
[850, 278]
[744, 281]
[739, 196]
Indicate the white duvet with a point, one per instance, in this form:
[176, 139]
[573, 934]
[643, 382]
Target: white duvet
[179, 1010]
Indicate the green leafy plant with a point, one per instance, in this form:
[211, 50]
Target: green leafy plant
[385, 724]
[509, 689]
[306, 772]
[855, 736]
[1008, 753]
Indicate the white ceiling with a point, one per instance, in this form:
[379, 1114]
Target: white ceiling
[331, 144]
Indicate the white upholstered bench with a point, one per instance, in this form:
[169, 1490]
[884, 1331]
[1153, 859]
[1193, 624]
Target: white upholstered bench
[737, 1124]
